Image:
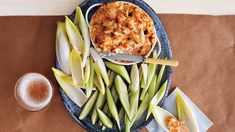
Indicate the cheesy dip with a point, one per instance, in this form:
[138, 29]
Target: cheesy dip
[121, 27]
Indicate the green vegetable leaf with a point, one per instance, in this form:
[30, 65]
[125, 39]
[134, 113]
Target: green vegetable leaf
[119, 69]
[81, 22]
[74, 36]
[98, 79]
[76, 68]
[161, 116]
[186, 114]
[62, 48]
[87, 72]
[121, 89]
[88, 106]
[158, 97]
[75, 94]
[100, 65]
[98, 104]
[104, 119]
[159, 77]
[112, 107]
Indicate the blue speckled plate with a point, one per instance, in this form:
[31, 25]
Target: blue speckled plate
[74, 110]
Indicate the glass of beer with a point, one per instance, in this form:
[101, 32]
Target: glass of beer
[33, 91]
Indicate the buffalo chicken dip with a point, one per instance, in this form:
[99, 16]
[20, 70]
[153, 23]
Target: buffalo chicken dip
[121, 27]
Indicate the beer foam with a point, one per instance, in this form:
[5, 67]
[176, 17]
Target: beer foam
[23, 87]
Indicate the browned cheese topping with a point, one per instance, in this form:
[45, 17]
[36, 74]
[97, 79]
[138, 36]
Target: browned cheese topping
[121, 27]
[176, 126]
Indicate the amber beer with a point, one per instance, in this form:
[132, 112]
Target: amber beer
[33, 91]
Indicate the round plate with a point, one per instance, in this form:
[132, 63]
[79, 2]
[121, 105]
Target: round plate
[75, 110]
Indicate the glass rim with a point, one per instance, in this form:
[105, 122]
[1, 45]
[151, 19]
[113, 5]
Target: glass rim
[19, 100]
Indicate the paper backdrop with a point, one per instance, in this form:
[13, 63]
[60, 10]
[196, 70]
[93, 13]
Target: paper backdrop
[65, 7]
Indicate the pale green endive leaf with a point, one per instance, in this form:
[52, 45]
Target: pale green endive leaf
[127, 124]
[76, 68]
[62, 48]
[185, 114]
[112, 107]
[158, 97]
[134, 90]
[151, 72]
[88, 106]
[74, 36]
[144, 68]
[122, 92]
[142, 108]
[135, 81]
[76, 95]
[81, 22]
[98, 104]
[98, 80]
[58, 72]
[101, 67]
[68, 79]
[87, 71]
[119, 69]
[104, 118]
[159, 78]
[152, 87]
[90, 82]
[161, 116]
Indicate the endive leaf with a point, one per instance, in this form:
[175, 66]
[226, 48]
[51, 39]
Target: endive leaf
[114, 94]
[151, 72]
[69, 80]
[142, 108]
[106, 108]
[58, 72]
[98, 79]
[152, 87]
[135, 81]
[81, 22]
[98, 104]
[185, 114]
[111, 78]
[121, 113]
[76, 95]
[66, 78]
[101, 67]
[104, 118]
[88, 106]
[112, 107]
[144, 68]
[121, 89]
[134, 90]
[87, 72]
[161, 116]
[62, 48]
[159, 77]
[128, 124]
[134, 102]
[140, 73]
[119, 69]
[157, 98]
[74, 36]
[90, 82]
[76, 68]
